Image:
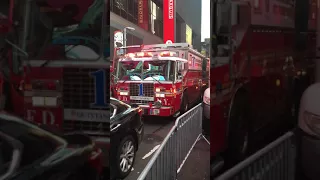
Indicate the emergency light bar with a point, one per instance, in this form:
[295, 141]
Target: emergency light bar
[144, 54]
[150, 54]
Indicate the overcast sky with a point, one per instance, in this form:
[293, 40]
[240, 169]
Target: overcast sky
[205, 20]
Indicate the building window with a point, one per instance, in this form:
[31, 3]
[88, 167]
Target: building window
[128, 9]
[156, 23]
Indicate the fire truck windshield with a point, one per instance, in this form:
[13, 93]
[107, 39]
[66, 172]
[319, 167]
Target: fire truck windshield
[50, 38]
[162, 70]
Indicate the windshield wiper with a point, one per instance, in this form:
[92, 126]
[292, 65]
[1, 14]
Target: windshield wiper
[156, 79]
[129, 79]
[48, 61]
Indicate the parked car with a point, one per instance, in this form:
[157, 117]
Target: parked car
[126, 134]
[309, 131]
[206, 111]
[29, 152]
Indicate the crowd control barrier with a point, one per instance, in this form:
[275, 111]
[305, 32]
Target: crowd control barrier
[176, 147]
[276, 161]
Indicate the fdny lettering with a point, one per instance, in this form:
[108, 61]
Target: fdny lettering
[30, 115]
[100, 89]
[140, 90]
[47, 116]
[171, 9]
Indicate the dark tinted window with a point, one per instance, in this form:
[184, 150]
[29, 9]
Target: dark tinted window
[121, 107]
[36, 143]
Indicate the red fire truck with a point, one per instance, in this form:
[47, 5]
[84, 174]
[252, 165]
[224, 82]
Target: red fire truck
[164, 79]
[260, 49]
[57, 70]
[119, 52]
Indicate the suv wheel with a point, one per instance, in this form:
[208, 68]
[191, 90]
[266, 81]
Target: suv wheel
[126, 153]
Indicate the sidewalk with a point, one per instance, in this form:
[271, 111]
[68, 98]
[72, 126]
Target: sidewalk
[197, 166]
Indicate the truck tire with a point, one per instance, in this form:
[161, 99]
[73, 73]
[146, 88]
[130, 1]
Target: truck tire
[239, 129]
[184, 107]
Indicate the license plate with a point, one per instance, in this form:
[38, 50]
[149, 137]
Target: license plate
[154, 111]
[142, 98]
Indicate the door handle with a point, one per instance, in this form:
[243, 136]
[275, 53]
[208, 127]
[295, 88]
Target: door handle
[116, 128]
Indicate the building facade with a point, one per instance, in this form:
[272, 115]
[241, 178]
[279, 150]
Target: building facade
[125, 13]
[146, 17]
[188, 22]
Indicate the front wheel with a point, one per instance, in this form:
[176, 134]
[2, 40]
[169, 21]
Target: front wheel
[125, 157]
[184, 107]
[238, 141]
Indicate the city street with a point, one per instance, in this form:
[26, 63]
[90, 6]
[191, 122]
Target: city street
[155, 130]
[197, 166]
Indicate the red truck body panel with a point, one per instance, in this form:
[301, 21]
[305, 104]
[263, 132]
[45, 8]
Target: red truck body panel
[260, 64]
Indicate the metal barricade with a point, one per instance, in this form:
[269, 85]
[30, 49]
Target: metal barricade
[176, 147]
[274, 162]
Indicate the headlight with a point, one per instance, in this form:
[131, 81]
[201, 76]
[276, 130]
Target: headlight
[312, 121]
[124, 93]
[45, 101]
[160, 95]
[206, 100]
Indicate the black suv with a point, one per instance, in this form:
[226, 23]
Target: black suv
[28, 152]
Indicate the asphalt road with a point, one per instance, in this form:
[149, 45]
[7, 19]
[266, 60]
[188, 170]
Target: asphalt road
[155, 130]
[197, 166]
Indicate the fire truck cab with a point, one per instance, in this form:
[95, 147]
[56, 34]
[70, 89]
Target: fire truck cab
[59, 66]
[164, 79]
[118, 53]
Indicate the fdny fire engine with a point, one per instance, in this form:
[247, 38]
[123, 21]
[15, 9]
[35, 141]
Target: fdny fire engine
[118, 53]
[163, 79]
[58, 67]
[260, 49]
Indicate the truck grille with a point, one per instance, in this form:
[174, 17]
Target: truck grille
[79, 93]
[78, 88]
[148, 91]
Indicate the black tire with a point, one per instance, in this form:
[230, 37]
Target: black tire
[116, 164]
[184, 107]
[239, 129]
